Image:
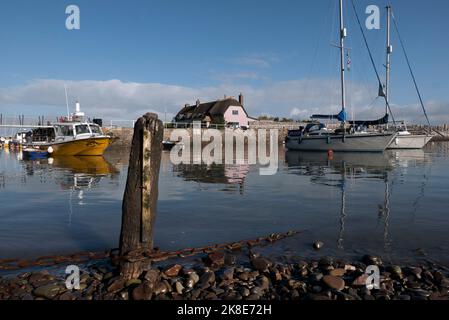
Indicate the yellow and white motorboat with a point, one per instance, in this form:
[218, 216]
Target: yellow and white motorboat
[69, 137]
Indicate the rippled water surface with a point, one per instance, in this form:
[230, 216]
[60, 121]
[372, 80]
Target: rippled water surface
[393, 204]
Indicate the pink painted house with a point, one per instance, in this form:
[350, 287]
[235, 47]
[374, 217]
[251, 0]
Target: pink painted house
[228, 111]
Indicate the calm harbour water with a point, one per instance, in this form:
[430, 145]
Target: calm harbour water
[389, 204]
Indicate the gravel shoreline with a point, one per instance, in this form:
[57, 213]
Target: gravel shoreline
[221, 277]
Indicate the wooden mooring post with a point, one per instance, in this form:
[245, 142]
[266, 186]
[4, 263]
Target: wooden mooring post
[141, 194]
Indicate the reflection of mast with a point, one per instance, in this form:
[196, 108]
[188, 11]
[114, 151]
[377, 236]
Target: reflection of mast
[342, 208]
[420, 196]
[70, 207]
[385, 213]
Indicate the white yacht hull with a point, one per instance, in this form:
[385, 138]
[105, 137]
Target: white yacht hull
[412, 141]
[338, 143]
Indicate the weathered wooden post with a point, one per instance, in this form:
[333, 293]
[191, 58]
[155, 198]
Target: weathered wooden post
[141, 193]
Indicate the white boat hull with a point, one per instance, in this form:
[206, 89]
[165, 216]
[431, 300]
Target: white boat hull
[338, 143]
[412, 141]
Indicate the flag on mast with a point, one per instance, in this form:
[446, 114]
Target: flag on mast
[348, 61]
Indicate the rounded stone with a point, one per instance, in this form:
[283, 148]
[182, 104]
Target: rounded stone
[194, 277]
[260, 264]
[396, 271]
[179, 287]
[317, 245]
[48, 292]
[337, 272]
[133, 282]
[245, 292]
[172, 271]
[335, 283]
[243, 276]
[372, 260]
[161, 288]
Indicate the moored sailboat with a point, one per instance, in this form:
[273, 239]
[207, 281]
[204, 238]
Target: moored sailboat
[344, 139]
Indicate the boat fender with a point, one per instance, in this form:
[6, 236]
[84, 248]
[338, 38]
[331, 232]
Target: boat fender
[344, 138]
[50, 150]
[328, 140]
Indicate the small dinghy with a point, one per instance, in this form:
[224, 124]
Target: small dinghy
[34, 154]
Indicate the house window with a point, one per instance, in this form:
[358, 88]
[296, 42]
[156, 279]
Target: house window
[235, 112]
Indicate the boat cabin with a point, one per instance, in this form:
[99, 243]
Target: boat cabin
[70, 131]
[60, 132]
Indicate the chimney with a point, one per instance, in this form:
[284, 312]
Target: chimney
[241, 99]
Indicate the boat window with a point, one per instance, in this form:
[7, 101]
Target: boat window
[81, 129]
[66, 131]
[95, 129]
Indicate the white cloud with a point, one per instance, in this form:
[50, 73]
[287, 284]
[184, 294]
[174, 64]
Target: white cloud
[115, 99]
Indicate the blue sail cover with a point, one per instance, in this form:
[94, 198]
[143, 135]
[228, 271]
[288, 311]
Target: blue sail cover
[342, 116]
[380, 121]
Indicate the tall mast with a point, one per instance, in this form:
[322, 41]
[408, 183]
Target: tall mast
[388, 63]
[67, 101]
[342, 54]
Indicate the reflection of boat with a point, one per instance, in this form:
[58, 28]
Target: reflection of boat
[88, 165]
[75, 174]
[365, 161]
[73, 171]
[405, 155]
[335, 171]
[70, 137]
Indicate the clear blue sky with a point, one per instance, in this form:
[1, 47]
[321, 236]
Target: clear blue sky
[203, 43]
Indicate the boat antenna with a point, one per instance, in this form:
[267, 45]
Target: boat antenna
[372, 59]
[410, 69]
[67, 101]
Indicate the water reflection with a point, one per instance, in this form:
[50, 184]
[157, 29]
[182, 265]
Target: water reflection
[76, 173]
[231, 175]
[73, 174]
[338, 169]
[384, 204]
